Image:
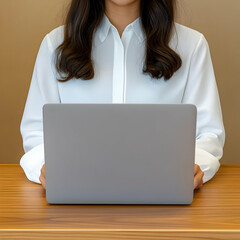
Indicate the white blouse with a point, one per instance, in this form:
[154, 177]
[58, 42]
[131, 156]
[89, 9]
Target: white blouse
[118, 64]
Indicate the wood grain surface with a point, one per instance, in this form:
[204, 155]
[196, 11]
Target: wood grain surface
[25, 214]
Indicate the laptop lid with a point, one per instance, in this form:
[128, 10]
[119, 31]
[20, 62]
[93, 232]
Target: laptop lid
[105, 153]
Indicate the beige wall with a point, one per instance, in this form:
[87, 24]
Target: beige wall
[24, 23]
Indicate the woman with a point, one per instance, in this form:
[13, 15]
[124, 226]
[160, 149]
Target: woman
[124, 51]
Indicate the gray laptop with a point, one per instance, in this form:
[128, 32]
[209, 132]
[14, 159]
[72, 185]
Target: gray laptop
[113, 153]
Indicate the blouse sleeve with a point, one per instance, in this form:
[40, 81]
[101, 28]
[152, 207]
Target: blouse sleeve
[201, 90]
[43, 89]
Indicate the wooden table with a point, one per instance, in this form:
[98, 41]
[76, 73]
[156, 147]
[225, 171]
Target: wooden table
[25, 214]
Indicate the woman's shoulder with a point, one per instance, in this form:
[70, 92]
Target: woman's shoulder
[187, 32]
[187, 38]
[56, 36]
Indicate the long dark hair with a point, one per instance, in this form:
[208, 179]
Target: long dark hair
[73, 56]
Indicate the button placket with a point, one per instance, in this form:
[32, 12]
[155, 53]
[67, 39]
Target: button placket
[126, 39]
[118, 69]
[118, 76]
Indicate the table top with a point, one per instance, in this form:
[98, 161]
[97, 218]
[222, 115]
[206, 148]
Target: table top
[216, 207]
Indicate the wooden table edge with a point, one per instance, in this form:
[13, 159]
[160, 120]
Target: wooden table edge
[119, 234]
[120, 230]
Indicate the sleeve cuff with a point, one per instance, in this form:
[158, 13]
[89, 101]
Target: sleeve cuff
[207, 163]
[32, 162]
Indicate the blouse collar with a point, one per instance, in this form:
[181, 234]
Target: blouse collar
[105, 25]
